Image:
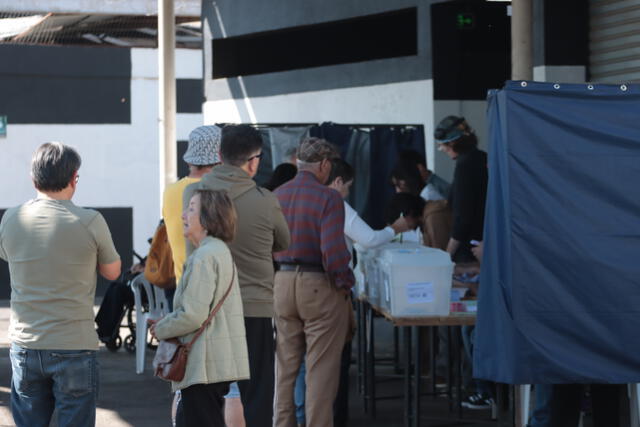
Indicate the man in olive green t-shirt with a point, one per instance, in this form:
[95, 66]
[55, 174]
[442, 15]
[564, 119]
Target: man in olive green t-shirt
[54, 250]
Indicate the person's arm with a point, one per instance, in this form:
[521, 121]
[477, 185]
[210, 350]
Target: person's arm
[110, 271]
[3, 254]
[360, 232]
[452, 246]
[197, 294]
[281, 235]
[477, 251]
[335, 255]
[109, 263]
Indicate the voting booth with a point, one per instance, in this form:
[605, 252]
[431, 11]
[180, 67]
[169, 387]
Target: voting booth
[559, 295]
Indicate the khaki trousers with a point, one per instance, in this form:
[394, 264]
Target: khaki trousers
[312, 315]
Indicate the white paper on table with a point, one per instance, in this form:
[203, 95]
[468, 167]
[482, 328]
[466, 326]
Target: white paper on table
[418, 293]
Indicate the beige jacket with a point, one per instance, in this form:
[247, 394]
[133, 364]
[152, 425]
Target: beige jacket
[436, 224]
[220, 353]
[262, 230]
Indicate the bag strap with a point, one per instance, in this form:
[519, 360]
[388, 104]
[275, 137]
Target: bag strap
[215, 309]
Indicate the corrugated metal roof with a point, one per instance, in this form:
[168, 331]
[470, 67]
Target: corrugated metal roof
[107, 30]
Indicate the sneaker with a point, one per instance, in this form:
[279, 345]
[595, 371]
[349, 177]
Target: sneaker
[477, 401]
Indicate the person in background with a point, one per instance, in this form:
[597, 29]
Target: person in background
[405, 177]
[55, 250]
[434, 187]
[284, 172]
[355, 231]
[261, 230]
[469, 188]
[219, 356]
[311, 293]
[201, 156]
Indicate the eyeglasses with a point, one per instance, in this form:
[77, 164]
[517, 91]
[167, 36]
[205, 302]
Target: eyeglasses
[257, 156]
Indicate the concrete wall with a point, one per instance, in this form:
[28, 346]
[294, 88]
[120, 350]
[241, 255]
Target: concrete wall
[386, 91]
[119, 161]
[383, 91]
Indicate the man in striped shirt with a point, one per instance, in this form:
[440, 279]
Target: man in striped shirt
[312, 287]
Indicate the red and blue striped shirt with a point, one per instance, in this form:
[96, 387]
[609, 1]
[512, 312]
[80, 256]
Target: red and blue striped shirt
[315, 215]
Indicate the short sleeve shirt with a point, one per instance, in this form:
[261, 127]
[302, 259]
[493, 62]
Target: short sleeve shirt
[53, 248]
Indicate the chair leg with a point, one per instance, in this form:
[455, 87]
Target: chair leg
[141, 340]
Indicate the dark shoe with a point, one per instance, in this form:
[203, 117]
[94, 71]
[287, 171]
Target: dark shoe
[477, 401]
[441, 382]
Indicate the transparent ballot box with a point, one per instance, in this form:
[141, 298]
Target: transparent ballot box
[413, 280]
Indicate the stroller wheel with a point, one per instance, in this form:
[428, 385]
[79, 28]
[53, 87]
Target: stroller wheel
[130, 344]
[114, 344]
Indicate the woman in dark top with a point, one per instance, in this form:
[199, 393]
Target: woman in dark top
[469, 188]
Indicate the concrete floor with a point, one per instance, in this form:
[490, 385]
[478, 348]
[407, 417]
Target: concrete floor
[127, 399]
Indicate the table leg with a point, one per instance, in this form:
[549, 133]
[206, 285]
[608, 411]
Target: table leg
[366, 308]
[417, 352]
[360, 341]
[408, 413]
[433, 334]
[370, 393]
[450, 368]
[458, 351]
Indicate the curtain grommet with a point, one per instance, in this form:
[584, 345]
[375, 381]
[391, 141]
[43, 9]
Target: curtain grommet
[556, 86]
[623, 88]
[523, 84]
[590, 87]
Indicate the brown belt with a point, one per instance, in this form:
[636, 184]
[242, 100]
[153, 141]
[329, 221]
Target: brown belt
[310, 268]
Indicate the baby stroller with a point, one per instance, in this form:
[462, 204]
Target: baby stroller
[118, 303]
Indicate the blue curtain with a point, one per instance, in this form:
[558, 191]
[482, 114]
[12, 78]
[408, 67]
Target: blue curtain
[560, 286]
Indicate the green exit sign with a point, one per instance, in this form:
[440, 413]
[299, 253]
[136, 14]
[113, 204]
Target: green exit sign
[3, 126]
[465, 21]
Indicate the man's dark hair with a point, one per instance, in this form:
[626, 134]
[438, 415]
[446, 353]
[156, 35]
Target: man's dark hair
[409, 205]
[464, 143]
[340, 169]
[53, 166]
[407, 170]
[411, 156]
[283, 173]
[238, 143]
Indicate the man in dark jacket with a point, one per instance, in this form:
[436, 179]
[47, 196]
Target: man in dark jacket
[469, 188]
[262, 230]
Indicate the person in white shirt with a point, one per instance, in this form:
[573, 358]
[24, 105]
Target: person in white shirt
[355, 229]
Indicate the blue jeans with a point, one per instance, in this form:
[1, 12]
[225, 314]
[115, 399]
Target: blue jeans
[541, 414]
[44, 380]
[299, 393]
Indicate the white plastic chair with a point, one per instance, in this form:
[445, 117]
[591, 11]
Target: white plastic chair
[158, 307]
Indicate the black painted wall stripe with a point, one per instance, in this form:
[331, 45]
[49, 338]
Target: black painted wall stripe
[65, 85]
[190, 95]
[385, 35]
